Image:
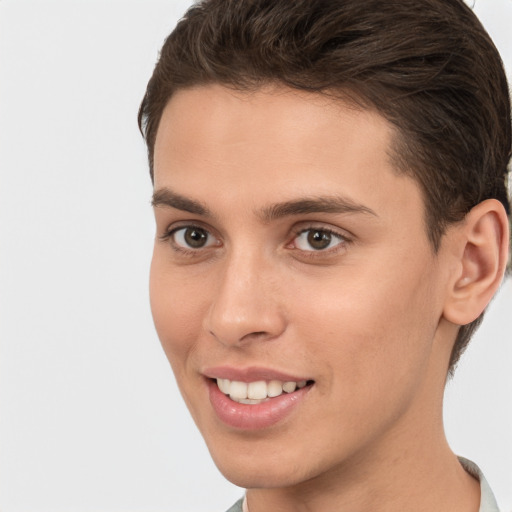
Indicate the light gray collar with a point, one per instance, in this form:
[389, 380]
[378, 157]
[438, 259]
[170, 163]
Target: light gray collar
[487, 499]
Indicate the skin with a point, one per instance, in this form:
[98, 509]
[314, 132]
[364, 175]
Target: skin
[366, 318]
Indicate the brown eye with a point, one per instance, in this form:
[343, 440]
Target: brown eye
[195, 237]
[317, 240]
[192, 237]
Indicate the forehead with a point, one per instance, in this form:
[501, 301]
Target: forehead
[275, 144]
[273, 117]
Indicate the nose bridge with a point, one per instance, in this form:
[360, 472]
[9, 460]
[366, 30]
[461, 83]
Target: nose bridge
[246, 301]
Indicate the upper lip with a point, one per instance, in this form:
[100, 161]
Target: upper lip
[250, 374]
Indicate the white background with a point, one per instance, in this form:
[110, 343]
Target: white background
[90, 418]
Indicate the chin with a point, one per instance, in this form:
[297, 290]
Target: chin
[261, 476]
[260, 467]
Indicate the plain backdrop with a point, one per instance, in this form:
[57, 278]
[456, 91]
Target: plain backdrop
[90, 417]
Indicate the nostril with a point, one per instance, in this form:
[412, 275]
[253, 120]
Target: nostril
[255, 335]
[233, 322]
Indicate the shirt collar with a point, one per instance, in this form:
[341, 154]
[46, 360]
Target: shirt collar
[487, 499]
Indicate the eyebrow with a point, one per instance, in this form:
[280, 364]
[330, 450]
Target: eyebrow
[166, 197]
[321, 204]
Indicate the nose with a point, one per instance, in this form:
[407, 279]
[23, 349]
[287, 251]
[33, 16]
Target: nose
[246, 303]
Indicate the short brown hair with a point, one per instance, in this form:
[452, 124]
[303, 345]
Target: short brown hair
[427, 66]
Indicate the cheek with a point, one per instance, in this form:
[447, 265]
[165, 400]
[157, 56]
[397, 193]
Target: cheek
[177, 308]
[372, 332]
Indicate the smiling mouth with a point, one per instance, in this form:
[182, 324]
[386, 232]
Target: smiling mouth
[260, 391]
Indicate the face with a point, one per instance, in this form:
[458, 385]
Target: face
[293, 286]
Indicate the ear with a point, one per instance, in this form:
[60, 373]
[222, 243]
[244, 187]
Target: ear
[481, 241]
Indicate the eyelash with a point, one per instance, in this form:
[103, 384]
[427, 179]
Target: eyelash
[344, 240]
[169, 235]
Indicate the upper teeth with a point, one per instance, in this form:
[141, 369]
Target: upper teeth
[258, 391]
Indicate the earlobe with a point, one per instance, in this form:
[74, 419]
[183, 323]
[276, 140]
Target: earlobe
[483, 252]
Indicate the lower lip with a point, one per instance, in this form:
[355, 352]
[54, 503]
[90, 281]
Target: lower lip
[254, 416]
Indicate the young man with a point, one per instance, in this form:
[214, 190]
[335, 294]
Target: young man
[332, 221]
